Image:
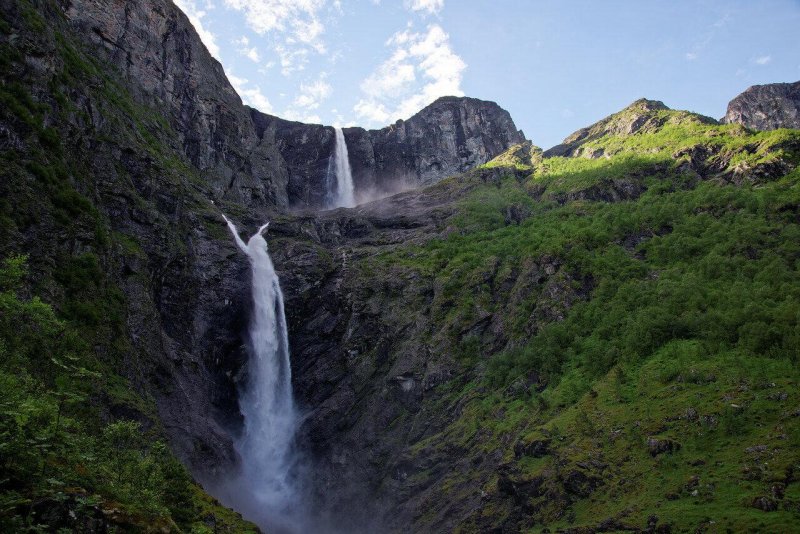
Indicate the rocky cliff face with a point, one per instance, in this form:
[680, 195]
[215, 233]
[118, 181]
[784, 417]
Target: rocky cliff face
[258, 160]
[114, 184]
[165, 65]
[766, 107]
[448, 137]
[371, 364]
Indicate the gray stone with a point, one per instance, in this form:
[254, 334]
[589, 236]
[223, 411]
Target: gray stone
[766, 107]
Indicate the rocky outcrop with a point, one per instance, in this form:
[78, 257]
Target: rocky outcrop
[448, 137]
[766, 107]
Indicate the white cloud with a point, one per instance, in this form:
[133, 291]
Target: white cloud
[291, 59]
[297, 18]
[196, 16]
[309, 98]
[313, 94]
[763, 60]
[252, 55]
[391, 77]
[295, 25]
[293, 114]
[421, 68]
[252, 96]
[244, 49]
[691, 56]
[429, 6]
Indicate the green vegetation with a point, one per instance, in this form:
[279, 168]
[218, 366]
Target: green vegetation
[62, 465]
[668, 312]
[81, 447]
[642, 360]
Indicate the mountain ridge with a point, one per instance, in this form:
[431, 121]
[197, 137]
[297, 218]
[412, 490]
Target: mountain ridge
[224, 138]
[506, 349]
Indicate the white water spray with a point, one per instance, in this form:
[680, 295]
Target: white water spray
[265, 491]
[345, 191]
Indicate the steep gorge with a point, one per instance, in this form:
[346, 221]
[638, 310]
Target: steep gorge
[443, 339]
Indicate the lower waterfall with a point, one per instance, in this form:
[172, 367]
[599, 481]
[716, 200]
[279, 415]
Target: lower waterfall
[266, 490]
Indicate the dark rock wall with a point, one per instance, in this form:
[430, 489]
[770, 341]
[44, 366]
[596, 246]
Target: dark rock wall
[258, 160]
[156, 49]
[766, 107]
[448, 137]
[135, 202]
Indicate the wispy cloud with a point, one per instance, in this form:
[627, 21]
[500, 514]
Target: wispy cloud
[252, 96]
[723, 21]
[244, 49]
[701, 44]
[763, 60]
[421, 68]
[313, 94]
[295, 24]
[292, 59]
[427, 6]
[309, 98]
[196, 16]
[280, 15]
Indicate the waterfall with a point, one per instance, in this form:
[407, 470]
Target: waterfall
[265, 491]
[344, 196]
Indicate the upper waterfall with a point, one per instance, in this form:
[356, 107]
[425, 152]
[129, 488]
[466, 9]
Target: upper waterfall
[344, 195]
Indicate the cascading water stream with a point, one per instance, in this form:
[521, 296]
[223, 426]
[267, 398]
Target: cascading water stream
[344, 196]
[265, 490]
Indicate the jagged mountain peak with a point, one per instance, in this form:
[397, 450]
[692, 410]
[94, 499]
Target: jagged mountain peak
[766, 107]
[643, 115]
[644, 104]
[462, 101]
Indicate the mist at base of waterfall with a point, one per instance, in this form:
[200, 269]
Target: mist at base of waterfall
[266, 488]
[273, 483]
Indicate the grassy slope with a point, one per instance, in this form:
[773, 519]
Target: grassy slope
[66, 461]
[689, 332]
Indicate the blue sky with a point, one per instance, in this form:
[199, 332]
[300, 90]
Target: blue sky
[556, 66]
